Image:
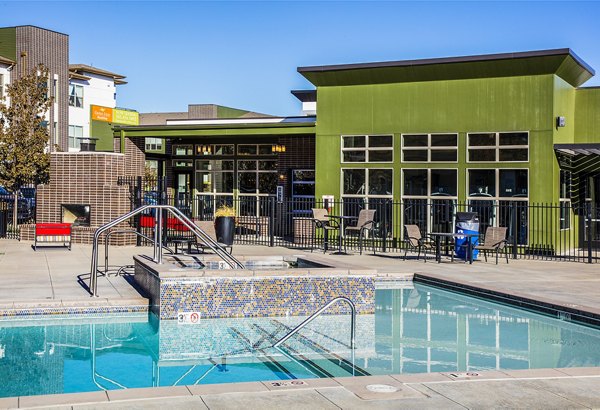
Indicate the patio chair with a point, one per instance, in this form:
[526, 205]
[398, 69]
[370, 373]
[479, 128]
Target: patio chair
[495, 240]
[414, 240]
[364, 224]
[209, 228]
[321, 220]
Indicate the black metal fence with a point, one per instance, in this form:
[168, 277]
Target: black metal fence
[534, 231]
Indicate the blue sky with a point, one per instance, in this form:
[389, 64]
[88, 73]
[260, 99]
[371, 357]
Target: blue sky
[245, 54]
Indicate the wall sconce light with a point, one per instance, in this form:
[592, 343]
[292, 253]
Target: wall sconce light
[276, 148]
[204, 150]
[560, 122]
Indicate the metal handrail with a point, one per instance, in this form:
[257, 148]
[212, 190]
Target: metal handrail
[109, 233]
[158, 239]
[318, 313]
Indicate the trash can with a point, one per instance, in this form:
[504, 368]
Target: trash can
[466, 222]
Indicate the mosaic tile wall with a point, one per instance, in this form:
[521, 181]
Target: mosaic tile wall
[254, 296]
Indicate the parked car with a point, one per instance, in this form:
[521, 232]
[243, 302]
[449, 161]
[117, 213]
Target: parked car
[24, 211]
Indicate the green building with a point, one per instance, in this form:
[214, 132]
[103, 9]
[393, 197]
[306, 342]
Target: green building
[495, 133]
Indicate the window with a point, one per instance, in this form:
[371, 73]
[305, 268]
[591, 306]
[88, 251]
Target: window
[430, 147]
[214, 176]
[257, 177]
[500, 196]
[1, 86]
[75, 133]
[565, 199]
[254, 149]
[183, 150]
[367, 148]
[76, 95]
[429, 198]
[498, 147]
[154, 144]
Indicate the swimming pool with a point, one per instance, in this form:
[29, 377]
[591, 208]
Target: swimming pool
[415, 328]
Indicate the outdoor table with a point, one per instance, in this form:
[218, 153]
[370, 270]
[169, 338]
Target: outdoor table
[341, 223]
[183, 241]
[438, 237]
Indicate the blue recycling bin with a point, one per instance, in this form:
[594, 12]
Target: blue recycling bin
[466, 222]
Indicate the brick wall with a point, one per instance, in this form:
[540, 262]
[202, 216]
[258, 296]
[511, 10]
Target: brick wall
[88, 178]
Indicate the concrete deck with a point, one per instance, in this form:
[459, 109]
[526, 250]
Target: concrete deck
[50, 276]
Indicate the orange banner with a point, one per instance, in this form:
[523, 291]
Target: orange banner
[102, 113]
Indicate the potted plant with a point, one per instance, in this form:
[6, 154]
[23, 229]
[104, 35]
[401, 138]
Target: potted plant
[225, 224]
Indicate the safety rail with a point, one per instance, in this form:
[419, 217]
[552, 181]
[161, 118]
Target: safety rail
[318, 313]
[158, 239]
[133, 231]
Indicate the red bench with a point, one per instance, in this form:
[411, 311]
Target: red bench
[52, 233]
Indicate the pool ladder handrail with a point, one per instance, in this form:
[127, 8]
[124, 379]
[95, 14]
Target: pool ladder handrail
[318, 313]
[158, 239]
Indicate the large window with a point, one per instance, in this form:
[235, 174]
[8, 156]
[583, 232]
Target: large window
[153, 144]
[499, 196]
[429, 198]
[76, 95]
[565, 199]
[498, 147]
[430, 147]
[214, 176]
[367, 148]
[368, 188]
[75, 135]
[1, 86]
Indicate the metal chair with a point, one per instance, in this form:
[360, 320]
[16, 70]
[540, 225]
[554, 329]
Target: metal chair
[209, 228]
[414, 240]
[322, 221]
[495, 240]
[364, 224]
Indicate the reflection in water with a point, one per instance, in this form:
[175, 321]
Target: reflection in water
[414, 329]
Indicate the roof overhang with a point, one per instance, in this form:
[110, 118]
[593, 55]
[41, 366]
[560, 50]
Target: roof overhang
[84, 68]
[7, 61]
[578, 149]
[561, 62]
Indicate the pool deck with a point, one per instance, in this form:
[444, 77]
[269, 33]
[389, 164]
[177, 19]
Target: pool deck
[49, 277]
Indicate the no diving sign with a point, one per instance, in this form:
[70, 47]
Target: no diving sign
[188, 318]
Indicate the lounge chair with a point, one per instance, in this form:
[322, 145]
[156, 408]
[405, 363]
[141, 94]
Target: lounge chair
[321, 220]
[414, 240]
[495, 240]
[209, 228]
[364, 224]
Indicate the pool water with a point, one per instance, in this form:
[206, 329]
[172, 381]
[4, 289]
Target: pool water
[415, 329]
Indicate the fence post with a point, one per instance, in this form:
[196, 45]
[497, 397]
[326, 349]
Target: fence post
[384, 233]
[515, 228]
[138, 202]
[589, 232]
[272, 221]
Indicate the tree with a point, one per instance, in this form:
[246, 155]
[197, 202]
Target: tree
[24, 135]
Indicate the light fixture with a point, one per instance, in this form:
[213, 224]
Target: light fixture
[276, 148]
[204, 149]
[560, 122]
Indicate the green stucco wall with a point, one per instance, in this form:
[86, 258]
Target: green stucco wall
[478, 105]
[8, 43]
[587, 115]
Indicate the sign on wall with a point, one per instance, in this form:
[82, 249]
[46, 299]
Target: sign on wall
[102, 113]
[115, 115]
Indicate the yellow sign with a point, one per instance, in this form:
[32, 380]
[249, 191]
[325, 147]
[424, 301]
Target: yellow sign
[115, 115]
[126, 117]
[102, 113]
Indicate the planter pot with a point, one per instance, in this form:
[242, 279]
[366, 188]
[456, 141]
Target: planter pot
[225, 229]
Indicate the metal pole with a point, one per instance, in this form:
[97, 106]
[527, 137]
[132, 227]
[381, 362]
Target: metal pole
[515, 229]
[589, 233]
[272, 222]
[160, 236]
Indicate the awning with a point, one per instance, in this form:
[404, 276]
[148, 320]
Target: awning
[583, 162]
